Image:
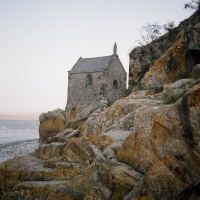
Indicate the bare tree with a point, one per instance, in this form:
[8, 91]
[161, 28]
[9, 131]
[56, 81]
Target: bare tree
[193, 5]
[152, 31]
[168, 26]
[149, 32]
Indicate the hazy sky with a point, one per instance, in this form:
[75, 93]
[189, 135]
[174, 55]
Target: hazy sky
[40, 41]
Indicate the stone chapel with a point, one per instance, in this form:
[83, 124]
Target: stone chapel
[91, 77]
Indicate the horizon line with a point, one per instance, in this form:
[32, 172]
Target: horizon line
[19, 115]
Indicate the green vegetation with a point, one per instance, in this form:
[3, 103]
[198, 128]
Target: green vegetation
[127, 91]
[144, 69]
[193, 5]
[182, 75]
[195, 75]
[109, 103]
[102, 147]
[173, 33]
[171, 97]
[145, 88]
[73, 108]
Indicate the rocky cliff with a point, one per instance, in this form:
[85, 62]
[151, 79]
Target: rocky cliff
[144, 146]
[171, 55]
[138, 148]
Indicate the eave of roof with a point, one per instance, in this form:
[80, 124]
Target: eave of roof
[86, 65]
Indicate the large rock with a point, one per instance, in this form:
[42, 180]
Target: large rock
[169, 134]
[82, 112]
[96, 189]
[137, 148]
[16, 170]
[116, 117]
[166, 68]
[159, 183]
[51, 123]
[118, 176]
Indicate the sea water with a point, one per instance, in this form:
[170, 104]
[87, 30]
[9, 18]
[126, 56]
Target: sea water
[18, 130]
[18, 138]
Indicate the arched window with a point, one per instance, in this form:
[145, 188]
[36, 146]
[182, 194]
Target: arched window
[88, 80]
[115, 84]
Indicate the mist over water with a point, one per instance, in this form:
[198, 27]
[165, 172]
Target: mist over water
[18, 138]
[18, 130]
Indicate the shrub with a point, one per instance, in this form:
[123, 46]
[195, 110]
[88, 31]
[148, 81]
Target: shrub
[110, 103]
[144, 69]
[195, 76]
[73, 108]
[102, 147]
[127, 91]
[182, 75]
[171, 97]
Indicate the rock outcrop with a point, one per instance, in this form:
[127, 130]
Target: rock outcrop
[143, 146]
[51, 123]
[56, 121]
[138, 148]
[168, 57]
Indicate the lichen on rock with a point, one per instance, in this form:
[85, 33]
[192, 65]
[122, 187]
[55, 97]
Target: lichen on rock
[140, 147]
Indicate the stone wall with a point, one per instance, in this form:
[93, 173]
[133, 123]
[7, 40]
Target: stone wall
[115, 72]
[81, 92]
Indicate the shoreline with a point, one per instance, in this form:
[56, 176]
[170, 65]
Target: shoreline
[19, 141]
[18, 148]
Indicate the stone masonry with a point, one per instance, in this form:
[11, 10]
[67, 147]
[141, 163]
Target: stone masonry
[91, 77]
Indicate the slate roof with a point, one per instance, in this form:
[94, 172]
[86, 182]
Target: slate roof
[96, 64]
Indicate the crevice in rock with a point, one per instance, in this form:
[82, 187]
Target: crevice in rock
[173, 63]
[189, 192]
[20, 175]
[179, 157]
[193, 55]
[184, 114]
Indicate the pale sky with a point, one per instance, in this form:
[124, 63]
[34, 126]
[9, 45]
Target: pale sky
[40, 41]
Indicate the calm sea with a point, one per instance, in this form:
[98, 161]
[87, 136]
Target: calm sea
[18, 130]
[18, 137]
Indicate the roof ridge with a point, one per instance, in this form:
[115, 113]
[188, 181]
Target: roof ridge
[96, 57]
[94, 64]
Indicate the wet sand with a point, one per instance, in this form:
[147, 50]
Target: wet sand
[22, 148]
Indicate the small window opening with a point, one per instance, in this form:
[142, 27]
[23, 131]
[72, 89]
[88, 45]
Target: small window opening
[115, 84]
[88, 80]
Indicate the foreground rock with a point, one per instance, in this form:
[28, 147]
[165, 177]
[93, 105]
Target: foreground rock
[138, 148]
[51, 123]
[56, 121]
